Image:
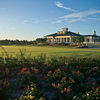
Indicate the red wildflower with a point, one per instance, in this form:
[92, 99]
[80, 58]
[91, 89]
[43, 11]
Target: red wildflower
[64, 78]
[53, 84]
[36, 70]
[21, 91]
[60, 98]
[58, 84]
[66, 69]
[68, 89]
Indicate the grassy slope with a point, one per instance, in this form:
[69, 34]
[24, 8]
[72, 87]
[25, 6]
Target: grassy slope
[50, 51]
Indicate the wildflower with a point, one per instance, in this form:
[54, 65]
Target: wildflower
[21, 91]
[24, 69]
[58, 84]
[50, 64]
[60, 98]
[68, 90]
[28, 86]
[25, 96]
[66, 63]
[97, 89]
[53, 84]
[32, 88]
[6, 68]
[36, 70]
[31, 96]
[74, 97]
[66, 69]
[87, 94]
[64, 78]
[41, 98]
[64, 89]
[40, 75]
[94, 83]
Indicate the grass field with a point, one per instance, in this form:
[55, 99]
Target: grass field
[51, 51]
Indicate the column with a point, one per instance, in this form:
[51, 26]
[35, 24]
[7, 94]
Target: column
[55, 40]
[60, 40]
[52, 40]
[48, 40]
[70, 39]
[91, 40]
[66, 40]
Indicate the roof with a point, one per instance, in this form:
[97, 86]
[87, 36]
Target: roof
[66, 34]
[91, 35]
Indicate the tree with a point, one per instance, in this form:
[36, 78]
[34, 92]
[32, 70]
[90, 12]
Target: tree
[80, 39]
[74, 39]
[41, 40]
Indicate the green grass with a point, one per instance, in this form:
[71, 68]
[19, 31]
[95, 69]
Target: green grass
[51, 51]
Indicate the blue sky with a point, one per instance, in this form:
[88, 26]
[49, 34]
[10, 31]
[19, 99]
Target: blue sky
[31, 19]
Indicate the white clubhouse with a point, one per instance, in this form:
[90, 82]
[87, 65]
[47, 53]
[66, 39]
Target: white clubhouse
[66, 37]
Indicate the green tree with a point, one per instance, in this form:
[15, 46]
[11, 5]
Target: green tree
[41, 40]
[74, 39]
[80, 39]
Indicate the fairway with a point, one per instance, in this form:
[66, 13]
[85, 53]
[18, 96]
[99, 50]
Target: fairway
[51, 51]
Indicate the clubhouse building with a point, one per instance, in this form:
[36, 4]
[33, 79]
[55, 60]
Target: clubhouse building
[66, 37]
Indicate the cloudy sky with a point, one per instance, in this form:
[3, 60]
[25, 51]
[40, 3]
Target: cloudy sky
[31, 19]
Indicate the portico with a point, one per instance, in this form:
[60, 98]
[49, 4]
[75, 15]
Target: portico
[59, 39]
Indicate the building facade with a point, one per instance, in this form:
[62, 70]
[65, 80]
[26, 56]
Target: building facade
[66, 37]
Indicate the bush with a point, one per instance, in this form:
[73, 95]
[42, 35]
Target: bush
[59, 78]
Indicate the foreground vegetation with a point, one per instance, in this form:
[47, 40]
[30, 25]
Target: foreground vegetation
[61, 78]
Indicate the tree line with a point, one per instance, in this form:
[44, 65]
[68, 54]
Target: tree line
[22, 42]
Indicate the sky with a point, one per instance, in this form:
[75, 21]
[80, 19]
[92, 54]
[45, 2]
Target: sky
[31, 19]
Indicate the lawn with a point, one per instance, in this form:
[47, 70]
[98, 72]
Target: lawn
[51, 51]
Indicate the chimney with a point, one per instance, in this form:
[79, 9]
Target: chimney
[61, 32]
[94, 33]
[77, 33]
[65, 30]
[58, 32]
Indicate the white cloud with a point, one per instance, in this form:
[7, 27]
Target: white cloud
[58, 21]
[59, 4]
[79, 16]
[25, 21]
[74, 20]
[94, 18]
[82, 14]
